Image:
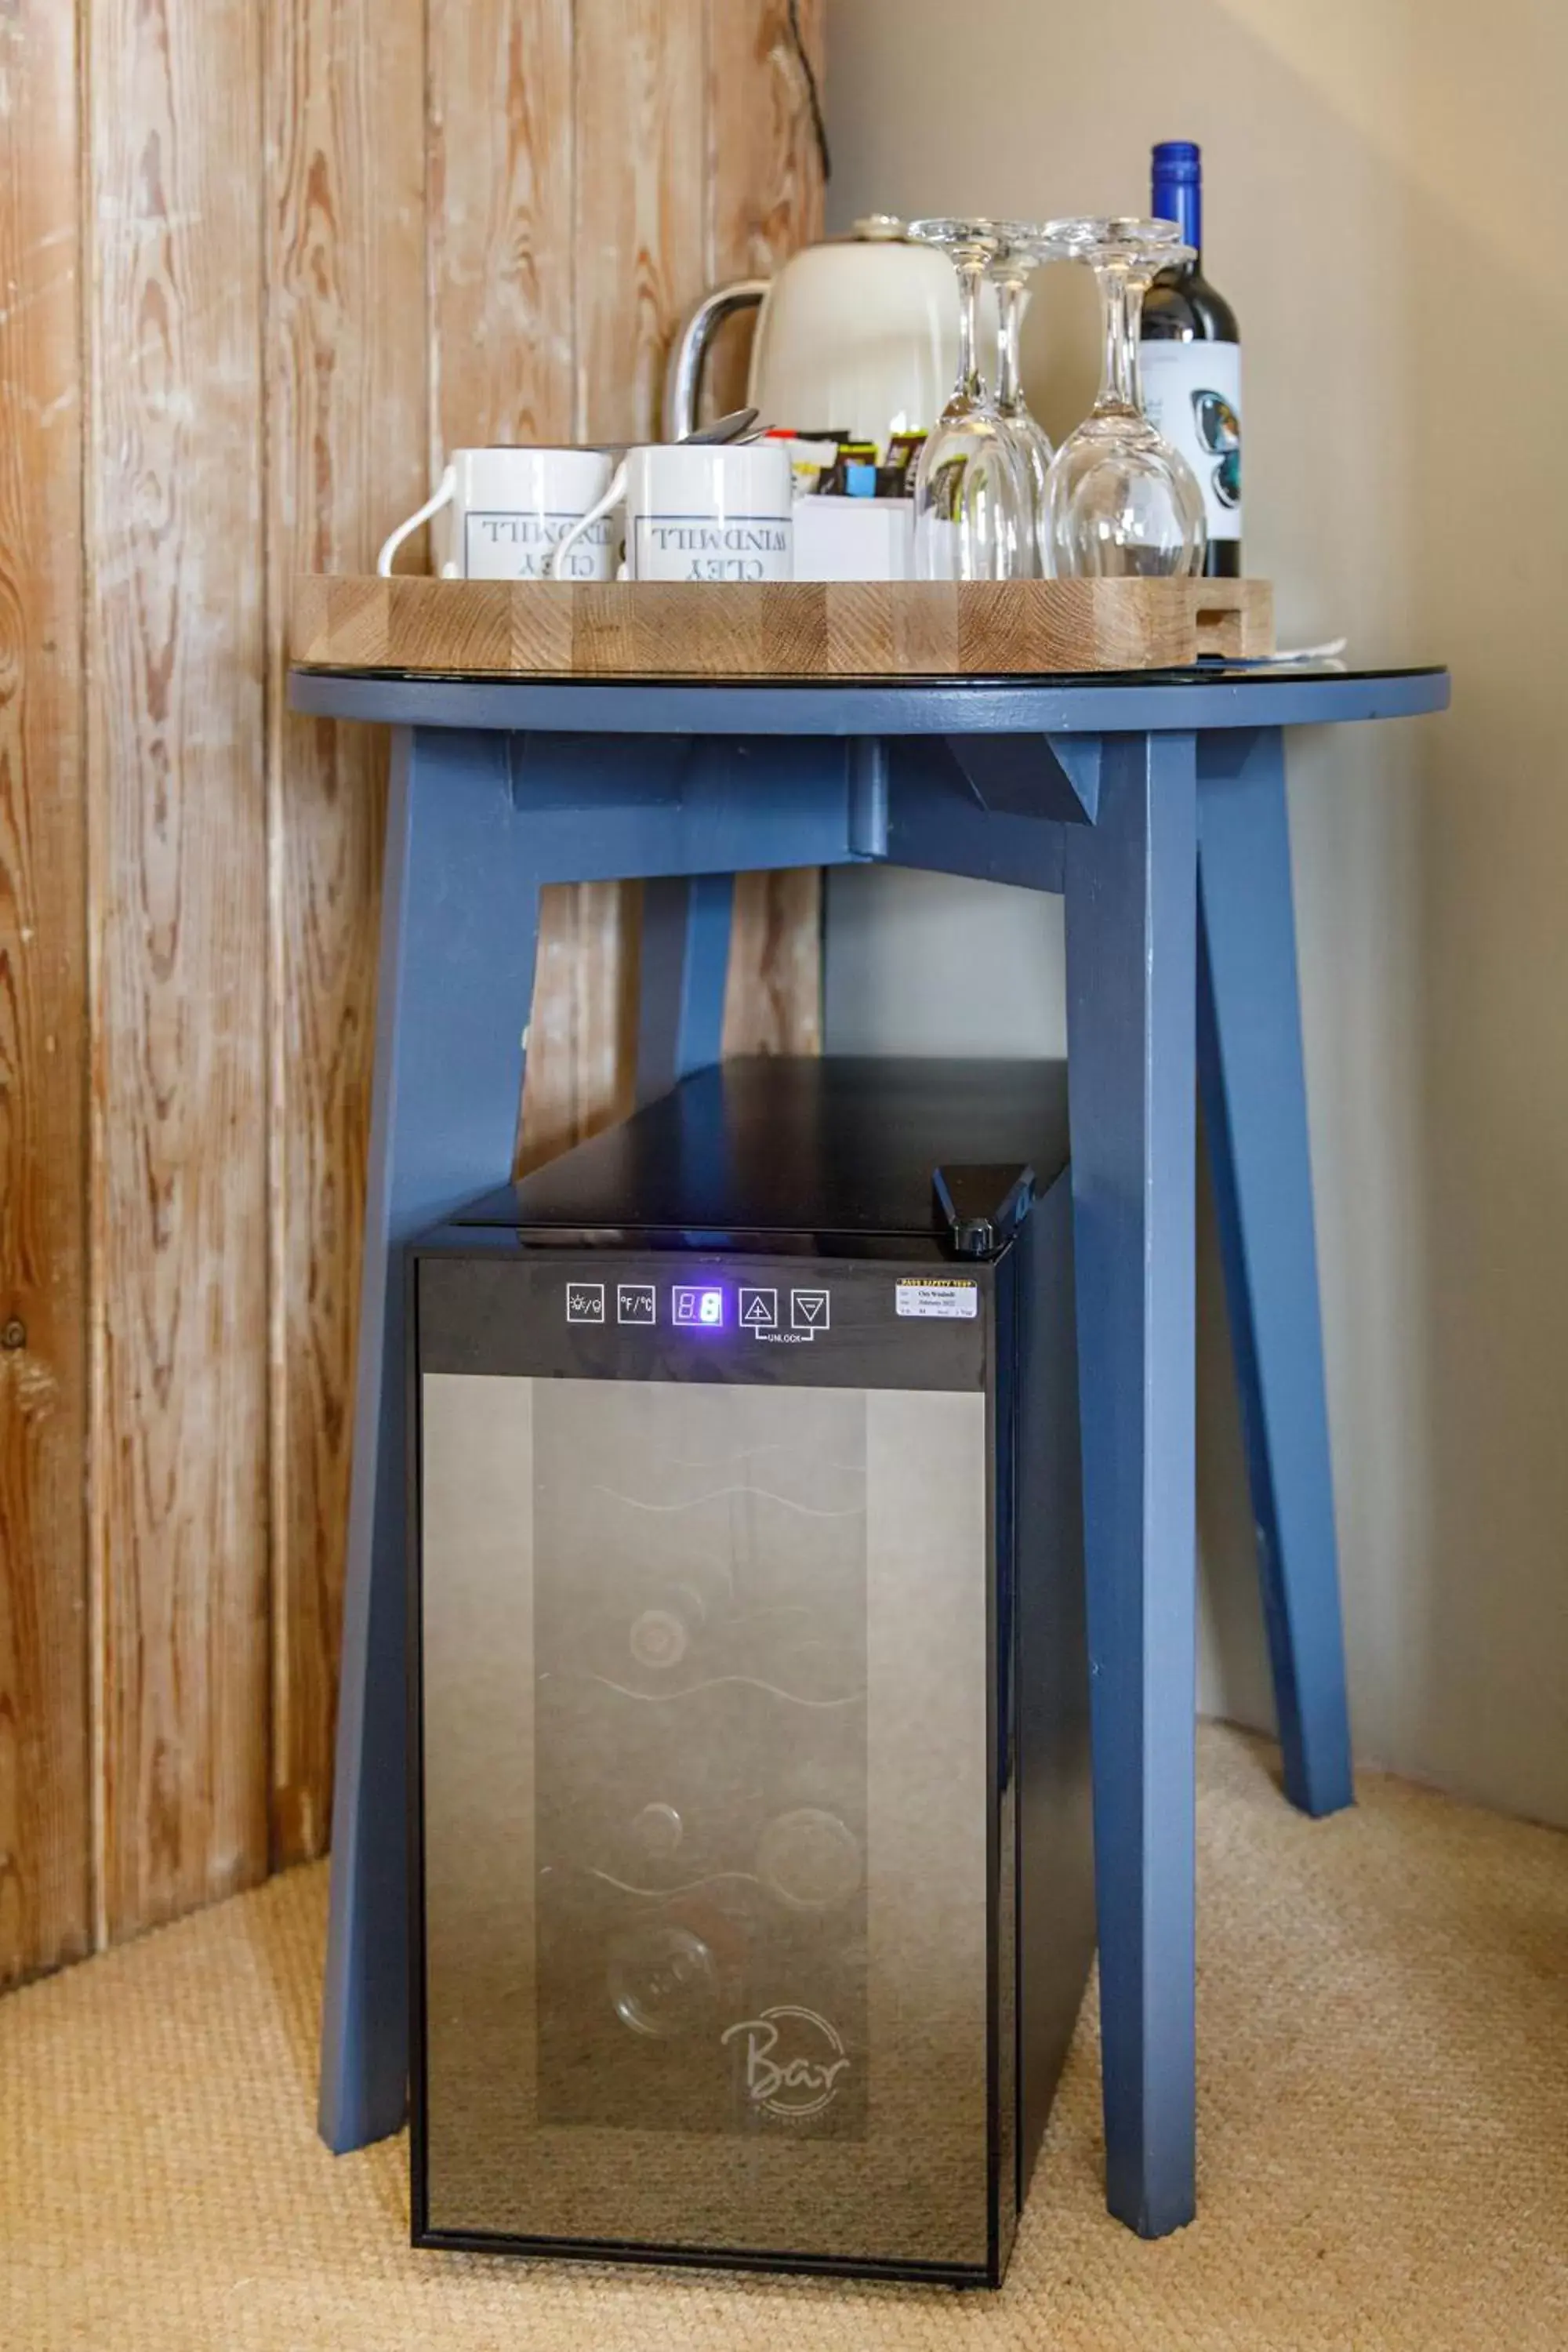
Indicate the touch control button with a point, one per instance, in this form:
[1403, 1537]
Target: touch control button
[808, 1310]
[759, 1310]
[584, 1302]
[635, 1303]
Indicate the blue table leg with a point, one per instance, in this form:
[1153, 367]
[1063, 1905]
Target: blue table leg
[1255, 1107]
[459, 913]
[1131, 967]
[686, 925]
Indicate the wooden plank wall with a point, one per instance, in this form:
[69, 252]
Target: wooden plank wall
[178, 946]
[766, 195]
[347, 453]
[262, 262]
[46, 1881]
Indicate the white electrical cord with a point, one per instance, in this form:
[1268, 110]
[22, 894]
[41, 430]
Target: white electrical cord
[1332, 651]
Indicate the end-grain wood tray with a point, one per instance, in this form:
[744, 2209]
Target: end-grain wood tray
[487, 628]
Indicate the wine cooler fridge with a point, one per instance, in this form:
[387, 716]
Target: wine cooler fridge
[752, 1867]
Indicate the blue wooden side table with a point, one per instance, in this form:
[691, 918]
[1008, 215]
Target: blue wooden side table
[1157, 805]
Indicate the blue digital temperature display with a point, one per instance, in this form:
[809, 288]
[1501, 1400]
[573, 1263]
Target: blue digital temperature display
[698, 1307]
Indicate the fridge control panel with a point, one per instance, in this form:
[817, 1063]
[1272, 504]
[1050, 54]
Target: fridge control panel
[757, 1308]
[790, 1320]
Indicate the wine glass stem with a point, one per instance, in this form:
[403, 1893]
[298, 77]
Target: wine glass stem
[1010, 320]
[971, 278]
[1122, 306]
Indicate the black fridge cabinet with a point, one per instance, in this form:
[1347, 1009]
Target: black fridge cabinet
[752, 1874]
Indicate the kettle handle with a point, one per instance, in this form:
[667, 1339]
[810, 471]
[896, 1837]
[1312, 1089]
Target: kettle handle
[683, 379]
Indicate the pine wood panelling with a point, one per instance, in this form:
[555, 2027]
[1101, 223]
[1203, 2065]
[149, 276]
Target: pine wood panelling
[502, 260]
[261, 266]
[503, 339]
[45, 1913]
[764, 185]
[347, 431]
[641, 221]
[772, 998]
[764, 177]
[518, 95]
[639, 261]
[177, 878]
[581, 1068]
[765, 199]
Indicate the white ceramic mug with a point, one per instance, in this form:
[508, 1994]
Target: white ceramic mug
[699, 511]
[501, 513]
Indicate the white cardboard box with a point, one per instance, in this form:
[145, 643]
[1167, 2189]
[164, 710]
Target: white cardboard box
[854, 538]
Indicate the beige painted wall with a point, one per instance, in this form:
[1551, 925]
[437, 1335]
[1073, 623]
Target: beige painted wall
[1388, 180]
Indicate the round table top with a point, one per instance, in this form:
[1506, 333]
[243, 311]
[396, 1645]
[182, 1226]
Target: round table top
[1152, 702]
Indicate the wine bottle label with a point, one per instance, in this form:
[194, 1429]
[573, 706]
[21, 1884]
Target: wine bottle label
[1192, 394]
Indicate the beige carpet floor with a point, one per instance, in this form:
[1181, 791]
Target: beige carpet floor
[1385, 2138]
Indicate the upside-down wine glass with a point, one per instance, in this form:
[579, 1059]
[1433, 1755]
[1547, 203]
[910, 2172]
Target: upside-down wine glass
[973, 511]
[1120, 500]
[1025, 250]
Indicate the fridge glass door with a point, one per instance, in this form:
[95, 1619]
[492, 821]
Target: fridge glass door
[705, 1817]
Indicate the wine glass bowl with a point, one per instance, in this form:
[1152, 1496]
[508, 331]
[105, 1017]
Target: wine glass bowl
[974, 513]
[1026, 247]
[1120, 502]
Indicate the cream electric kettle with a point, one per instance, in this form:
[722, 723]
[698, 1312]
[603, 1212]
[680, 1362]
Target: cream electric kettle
[858, 336]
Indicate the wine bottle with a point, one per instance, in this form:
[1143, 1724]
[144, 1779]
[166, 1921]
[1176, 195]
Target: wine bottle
[1192, 358]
